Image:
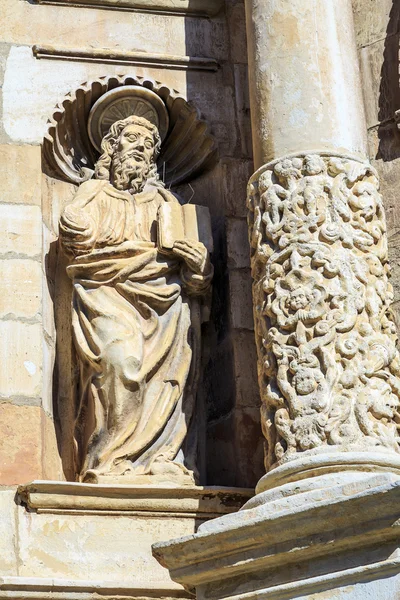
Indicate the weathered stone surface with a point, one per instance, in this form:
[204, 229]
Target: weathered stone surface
[84, 532]
[249, 445]
[241, 305]
[56, 194]
[8, 538]
[332, 560]
[20, 231]
[20, 173]
[26, 109]
[374, 20]
[379, 70]
[237, 240]
[20, 359]
[51, 460]
[235, 174]
[245, 369]
[20, 288]
[20, 443]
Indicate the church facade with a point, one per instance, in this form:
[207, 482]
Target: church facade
[200, 377]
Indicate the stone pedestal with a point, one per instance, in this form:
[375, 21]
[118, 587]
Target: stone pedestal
[81, 541]
[339, 542]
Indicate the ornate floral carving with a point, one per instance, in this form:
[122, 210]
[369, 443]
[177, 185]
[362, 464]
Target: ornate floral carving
[328, 364]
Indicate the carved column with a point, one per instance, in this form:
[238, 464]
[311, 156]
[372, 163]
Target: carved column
[322, 523]
[328, 364]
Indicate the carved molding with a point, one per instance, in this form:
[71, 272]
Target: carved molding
[328, 364]
[188, 149]
[85, 498]
[201, 8]
[115, 57]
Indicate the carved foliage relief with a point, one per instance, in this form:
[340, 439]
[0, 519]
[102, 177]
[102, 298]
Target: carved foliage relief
[328, 364]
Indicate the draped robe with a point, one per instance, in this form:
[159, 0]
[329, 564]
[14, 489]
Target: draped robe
[136, 330]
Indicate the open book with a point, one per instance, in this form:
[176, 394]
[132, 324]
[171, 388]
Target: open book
[176, 222]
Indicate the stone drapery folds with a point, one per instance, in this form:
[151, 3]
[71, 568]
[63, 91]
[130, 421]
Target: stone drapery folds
[328, 363]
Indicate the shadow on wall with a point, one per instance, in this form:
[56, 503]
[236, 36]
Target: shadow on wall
[389, 91]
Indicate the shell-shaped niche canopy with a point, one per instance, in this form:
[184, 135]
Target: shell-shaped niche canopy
[71, 145]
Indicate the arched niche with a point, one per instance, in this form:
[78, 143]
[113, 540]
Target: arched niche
[188, 149]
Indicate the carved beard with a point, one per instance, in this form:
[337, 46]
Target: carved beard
[129, 174]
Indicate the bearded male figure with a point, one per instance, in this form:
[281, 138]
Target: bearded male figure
[136, 318]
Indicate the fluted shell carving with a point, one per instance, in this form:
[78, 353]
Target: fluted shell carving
[328, 364]
[189, 147]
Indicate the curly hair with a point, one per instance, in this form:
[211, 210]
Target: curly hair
[110, 142]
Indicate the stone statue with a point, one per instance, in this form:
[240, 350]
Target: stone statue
[136, 317]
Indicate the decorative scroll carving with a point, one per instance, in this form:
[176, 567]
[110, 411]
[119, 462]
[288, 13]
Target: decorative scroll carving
[328, 364]
[136, 316]
[188, 149]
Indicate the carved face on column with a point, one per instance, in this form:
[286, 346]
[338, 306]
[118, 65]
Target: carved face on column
[129, 156]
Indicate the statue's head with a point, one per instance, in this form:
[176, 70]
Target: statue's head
[130, 152]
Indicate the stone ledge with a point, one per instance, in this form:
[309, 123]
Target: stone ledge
[66, 498]
[201, 8]
[106, 56]
[38, 588]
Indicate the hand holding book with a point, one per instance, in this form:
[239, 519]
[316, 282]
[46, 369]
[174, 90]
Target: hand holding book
[186, 231]
[194, 253]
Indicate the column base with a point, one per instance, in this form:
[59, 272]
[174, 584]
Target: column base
[342, 538]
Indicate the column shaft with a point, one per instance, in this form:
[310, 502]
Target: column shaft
[305, 90]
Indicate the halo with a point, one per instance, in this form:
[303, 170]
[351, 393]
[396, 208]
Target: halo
[123, 102]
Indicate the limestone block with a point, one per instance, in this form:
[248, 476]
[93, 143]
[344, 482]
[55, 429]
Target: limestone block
[87, 532]
[237, 32]
[241, 300]
[8, 540]
[20, 288]
[249, 446]
[27, 107]
[20, 444]
[20, 230]
[22, 21]
[21, 184]
[243, 108]
[20, 359]
[374, 20]
[235, 174]
[51, 460]
[245, 366]
[56, 194]
[238, 243]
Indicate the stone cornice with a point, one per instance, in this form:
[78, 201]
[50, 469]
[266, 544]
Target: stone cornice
[67, 498]
[159, 61]
[201, 8]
